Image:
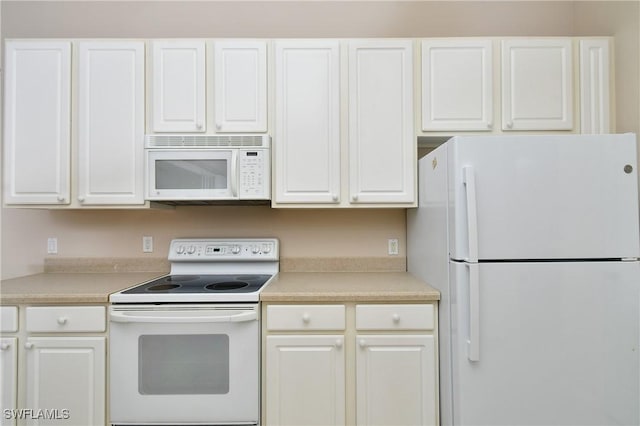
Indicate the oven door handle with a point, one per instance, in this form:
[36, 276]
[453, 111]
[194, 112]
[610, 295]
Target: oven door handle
[127, 317]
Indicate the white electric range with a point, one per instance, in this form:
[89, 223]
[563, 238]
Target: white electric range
[185, 348]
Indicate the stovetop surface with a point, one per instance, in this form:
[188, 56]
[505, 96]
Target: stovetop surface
[202, 284]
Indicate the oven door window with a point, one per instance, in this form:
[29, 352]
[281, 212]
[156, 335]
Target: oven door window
[192, 364]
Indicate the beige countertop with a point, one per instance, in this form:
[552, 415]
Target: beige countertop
[348, 287]
[82, 288]
[69, 288]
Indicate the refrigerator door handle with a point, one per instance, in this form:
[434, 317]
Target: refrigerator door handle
[469, 180]
[473, 344]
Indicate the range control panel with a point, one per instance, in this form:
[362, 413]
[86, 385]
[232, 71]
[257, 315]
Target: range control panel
[223, 250]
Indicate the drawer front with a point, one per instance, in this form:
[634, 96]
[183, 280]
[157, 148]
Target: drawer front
[9, 319]
[66, 319]
[395, 317]
[306, 317]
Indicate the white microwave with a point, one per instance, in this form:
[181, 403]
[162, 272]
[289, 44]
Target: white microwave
[208, 167]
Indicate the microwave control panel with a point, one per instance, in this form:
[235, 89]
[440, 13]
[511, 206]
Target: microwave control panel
[255, 174]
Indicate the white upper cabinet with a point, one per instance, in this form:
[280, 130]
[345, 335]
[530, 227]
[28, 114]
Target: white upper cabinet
[307, 131]
[457, 84]
[595, 102]
[178, 98]
[37, 123]
[537, 79]
[240, 92]
[111, 123]
[382, 151]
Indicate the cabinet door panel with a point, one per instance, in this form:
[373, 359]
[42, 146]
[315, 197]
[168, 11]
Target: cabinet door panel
[457, 89]
[381, 135]
[307, 134]
[178, 86]
[111, 123]
[8, 378]
[395, 380]
[67, 373]
[240, 93]
[595, 102]
[537, 91]
[37, 136]
[305, 379]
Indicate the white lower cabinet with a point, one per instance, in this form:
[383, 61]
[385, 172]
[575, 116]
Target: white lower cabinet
[8, 378]
[364, 364]
[50, 374]
[65, 377]
[395, 378]
[306, 380]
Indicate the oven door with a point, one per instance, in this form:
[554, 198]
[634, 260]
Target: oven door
[192, 174]
[184, 364]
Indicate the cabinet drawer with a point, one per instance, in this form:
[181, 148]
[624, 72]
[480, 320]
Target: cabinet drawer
[395, 317]
[306, 317]
[66, 319]
[8, 319]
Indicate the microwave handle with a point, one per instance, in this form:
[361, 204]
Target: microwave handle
[159, 318]
[234, 173]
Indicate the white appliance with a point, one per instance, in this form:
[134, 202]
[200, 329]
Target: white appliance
[185, 348]
[184, 168]
[533, 242]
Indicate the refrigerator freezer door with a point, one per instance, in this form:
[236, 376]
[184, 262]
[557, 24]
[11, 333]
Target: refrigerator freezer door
[542, 197]
[558, 345]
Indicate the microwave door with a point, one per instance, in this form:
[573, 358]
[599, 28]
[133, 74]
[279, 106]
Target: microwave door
[191, 175]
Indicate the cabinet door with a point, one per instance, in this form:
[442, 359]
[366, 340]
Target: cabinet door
[37, 136]
[178, 86]
[111, 123]
[240, 91]
[382, 146]
[67, 373]
[537, 92]
[457, 89]
[8, 378]
[305, 380]
[307, 133]
[595, 103]
[396, 380]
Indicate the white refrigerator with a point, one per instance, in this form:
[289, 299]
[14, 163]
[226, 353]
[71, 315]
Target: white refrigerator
[533, 242]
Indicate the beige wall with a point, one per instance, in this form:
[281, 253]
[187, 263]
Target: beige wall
[303, 233]
[309, 233]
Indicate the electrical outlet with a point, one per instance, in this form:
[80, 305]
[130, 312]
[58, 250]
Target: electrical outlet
[52, 245]
[393, 246]
[147, 244]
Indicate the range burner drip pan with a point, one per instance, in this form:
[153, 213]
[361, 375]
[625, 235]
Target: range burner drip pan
[203, 284]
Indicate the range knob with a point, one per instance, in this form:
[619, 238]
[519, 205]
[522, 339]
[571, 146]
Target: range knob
[180, 249]
[235, 249]
[191, 250]
[255, 249]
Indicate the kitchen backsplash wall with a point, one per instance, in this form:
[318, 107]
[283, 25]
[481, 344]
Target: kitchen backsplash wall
[118, 233]
[304, 233]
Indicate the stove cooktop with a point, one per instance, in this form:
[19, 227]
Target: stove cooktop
[210, 270]
[205, 284]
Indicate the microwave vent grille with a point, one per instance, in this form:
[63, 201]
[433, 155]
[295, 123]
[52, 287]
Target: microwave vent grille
[206, 141]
